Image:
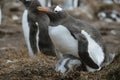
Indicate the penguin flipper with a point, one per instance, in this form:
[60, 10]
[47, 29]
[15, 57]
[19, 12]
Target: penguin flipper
[33, 32]
[83, 51]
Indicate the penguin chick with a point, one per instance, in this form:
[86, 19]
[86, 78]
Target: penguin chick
[67, 64]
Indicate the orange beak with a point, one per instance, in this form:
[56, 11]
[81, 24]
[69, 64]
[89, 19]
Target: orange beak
[44, 9]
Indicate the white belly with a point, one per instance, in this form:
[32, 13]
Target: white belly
[26, 31]
[75, 3]
[63, 40]
[0, 16]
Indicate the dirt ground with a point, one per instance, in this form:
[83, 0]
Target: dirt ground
[15, 64]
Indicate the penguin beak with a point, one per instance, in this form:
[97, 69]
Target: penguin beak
[44, 9]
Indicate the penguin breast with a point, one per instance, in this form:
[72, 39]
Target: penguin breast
[63, 40]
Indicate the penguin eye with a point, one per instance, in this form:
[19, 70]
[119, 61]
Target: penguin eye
[56, 11]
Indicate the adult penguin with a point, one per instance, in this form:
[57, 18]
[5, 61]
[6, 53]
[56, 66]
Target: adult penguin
[77, 38]
[35, 30]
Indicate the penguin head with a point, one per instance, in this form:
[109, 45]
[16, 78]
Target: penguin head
[26, 2]
[55, 13]
[30, 3]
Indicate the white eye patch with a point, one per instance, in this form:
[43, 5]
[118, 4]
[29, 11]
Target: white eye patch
[57, 9]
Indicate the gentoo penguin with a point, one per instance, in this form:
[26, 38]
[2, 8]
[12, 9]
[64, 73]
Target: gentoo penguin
[111, 1]
[74, 37]
[109, 16]
[34, 28]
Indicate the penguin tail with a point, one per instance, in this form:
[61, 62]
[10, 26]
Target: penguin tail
[110, 59]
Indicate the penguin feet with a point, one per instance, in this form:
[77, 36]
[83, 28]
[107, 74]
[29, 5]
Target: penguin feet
[65, 65]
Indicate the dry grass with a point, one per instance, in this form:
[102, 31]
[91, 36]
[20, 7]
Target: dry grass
[19, 66]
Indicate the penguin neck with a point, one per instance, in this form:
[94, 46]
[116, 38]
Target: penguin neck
[39, 17]
[33, 9]
[61, 21]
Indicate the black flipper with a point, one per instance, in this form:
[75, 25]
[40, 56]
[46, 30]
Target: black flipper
[33, 32]
[83, 51]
